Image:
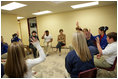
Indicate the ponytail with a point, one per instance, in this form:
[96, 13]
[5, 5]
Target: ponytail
[103, 28]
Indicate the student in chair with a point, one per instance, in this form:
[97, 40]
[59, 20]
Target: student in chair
[81, 58]
[106, 57]
[61, 41]
[47, 41]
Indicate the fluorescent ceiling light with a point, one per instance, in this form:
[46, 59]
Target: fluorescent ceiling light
[42, 12]
[20, 17]
[57, 2]
[12, 6]
[85, 5]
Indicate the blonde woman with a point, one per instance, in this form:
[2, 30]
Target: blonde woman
[81, 58]
[16, 65]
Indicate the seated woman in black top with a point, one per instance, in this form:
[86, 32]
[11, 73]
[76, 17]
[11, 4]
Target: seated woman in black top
[81, 58]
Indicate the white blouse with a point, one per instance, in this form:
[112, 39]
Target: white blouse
[32, 62]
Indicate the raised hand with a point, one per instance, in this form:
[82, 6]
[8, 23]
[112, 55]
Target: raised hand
[33, 40]
[77, 24]
[44, 33]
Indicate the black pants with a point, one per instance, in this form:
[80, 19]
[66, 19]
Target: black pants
[2, 70]
[59, 45]
[34, 50]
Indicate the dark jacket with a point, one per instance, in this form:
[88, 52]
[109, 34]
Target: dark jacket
[90, 43]
[4, 48]
[103, 42]
[2, 70]
[74, 65]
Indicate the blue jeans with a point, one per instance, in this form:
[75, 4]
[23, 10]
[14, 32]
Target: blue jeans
[59, 45]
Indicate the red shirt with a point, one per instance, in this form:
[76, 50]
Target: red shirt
[101, 36]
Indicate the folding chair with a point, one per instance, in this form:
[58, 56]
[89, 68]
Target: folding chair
[64, 47]
[91, 73]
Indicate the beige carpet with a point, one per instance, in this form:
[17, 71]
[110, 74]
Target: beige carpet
[52, 67]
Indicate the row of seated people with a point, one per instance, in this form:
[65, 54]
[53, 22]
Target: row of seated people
[48, 42]
[81, 58]
[62, 40]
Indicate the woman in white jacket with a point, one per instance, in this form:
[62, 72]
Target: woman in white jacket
[16, 65]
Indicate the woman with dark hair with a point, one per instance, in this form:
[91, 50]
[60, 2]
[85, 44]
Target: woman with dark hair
[102, 36]
[61, 41]
[16, 65]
